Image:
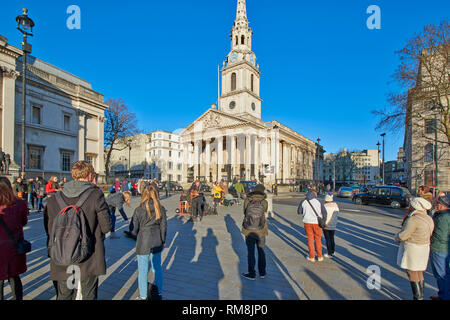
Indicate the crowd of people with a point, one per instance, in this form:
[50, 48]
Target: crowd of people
[77, 216]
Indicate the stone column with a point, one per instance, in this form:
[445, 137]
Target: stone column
[8, 117]
[233, 156]
[248, 156]
[285, 161]
[81, 134]
[196, 159]
[257, 156]
[207, 159]
[219, 157]
[185, 164]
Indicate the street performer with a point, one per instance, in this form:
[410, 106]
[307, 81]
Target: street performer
[197, 199]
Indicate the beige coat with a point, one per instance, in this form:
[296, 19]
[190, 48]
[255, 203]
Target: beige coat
[417, 229]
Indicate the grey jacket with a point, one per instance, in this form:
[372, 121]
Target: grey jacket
[151, 233]
[332, 215]
[115, 200]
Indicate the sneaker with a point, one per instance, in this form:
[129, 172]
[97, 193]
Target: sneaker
[248, 276]
[311, 259]
[320, 259]
[262, 276]
[140, 298]
[326, 256]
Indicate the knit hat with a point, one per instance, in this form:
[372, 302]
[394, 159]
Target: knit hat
[420, 204]
[445, 200]
[259, 188]
[329, 198]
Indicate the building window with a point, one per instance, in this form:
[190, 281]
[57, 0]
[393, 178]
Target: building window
[179, 177]
[36, 115]
[428, 153]
[170, 137]
[170, 177]
[66, 160]
[170, 145]
[237, 40]
[430, 125]
[179, 166]
[159, 152]
[170, 154]
[179, 155]
[251, 82]
[233, 81]
[242, 39]
[170, 165]
[35, 157]
[66, 122]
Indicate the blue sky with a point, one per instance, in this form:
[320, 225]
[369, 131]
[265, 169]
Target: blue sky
[323, 70]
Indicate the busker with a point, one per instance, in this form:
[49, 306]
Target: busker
[313, 210]
[439, 257]
[13, 216]
[116, 201]
[197, 198]
[331, 224]
[255, 230]
[149, 225]
[80, 199]
[414, 249]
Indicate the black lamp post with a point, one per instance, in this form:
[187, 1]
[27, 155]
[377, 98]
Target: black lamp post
[25, 26]
[129, 156]
[435, 109]
[383, 134]
[378, 146]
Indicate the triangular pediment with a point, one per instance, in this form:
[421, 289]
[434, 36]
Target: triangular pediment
[214, 119]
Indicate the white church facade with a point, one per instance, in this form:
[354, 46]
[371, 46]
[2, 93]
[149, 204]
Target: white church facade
[231, 141]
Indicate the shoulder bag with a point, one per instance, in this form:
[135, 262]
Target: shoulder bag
[22, 246]
[320, 220]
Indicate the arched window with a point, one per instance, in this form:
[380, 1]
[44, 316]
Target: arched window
[237, 40]
[428, 153]
[243, 39]
[251, 82]
[233, 81]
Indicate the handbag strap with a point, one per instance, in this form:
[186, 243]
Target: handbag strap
[315, 212]
[8, 231]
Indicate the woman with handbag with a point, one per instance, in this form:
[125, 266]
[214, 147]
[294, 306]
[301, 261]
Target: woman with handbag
[314, 218]
[414, 248]
[13, 216]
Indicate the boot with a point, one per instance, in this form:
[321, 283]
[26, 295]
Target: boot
[422, 288]
[154, 293]
[417, 294]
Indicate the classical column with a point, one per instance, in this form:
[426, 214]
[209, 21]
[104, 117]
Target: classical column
[284, 162]
[81, 134]
[196, 159]
[248, 156]
[8, 115]
[233, 156]
[207, 159]
[185, 164]
[219, 157]
[257, 156]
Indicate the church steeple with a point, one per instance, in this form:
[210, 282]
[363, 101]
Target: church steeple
[241, 34]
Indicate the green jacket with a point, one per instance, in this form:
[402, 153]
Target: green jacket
[256, 196]
[239, 187]
[441, 234]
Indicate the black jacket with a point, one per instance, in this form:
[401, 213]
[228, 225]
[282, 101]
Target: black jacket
[97, 215]
[151, 233]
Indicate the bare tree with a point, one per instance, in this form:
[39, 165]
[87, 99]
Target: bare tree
[120, 123]
[423, 74]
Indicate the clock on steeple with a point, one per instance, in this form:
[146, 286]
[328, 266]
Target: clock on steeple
[240, 75]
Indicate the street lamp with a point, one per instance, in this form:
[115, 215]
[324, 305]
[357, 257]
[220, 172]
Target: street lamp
[383, 134]
[435, 107]
[276, 129]
[318, 160]
[129, 155]
[25, 26]
[378, 146]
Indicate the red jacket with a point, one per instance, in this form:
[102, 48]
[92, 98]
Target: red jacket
[49, 188]
[11, 263]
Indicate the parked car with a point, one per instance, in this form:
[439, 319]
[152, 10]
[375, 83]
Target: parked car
[356, 189]
[248, 185]
[204, 187]
[396, 197]
[173, 186]
[345, 192]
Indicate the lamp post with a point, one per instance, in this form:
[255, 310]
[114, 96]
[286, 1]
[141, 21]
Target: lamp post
[434, 108]
[383, 134]
[129, 155]
[276, 128]
[25, 26]
[318, 160]
[378, 147]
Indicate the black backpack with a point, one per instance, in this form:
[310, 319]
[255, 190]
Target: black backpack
[71, 240]
[254, 216]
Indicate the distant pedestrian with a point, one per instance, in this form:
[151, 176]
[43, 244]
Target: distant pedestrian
[167, 189]
[14, 216]
[310, 209]
[124, 186]
[90, 200]
[239, 187]
[62, 183]
[39, 186]
[116, 201]
[414, 248]
[331, 224]
[149, 225]
[31, 193]
[52, 186]
[117, 185]
[217, 194]
[255, 230]
[439, 257]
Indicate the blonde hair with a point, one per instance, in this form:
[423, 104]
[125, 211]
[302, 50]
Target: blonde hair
[150, 193]
[128, 197]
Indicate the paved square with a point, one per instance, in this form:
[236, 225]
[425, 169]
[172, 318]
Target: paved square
[205, 260]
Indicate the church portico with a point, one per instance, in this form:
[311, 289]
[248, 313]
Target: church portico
[230, 141]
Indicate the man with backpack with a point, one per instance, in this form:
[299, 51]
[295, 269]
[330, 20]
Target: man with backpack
[255, 230]
[76, 220]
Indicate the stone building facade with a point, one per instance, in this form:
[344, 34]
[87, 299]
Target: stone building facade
[64, 117]
[231, 140]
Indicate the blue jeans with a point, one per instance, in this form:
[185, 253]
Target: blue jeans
[440, 263]
[112, 217]
[40, 206]
[143, 273]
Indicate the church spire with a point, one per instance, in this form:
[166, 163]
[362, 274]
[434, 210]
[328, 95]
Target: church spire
[241, 34]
